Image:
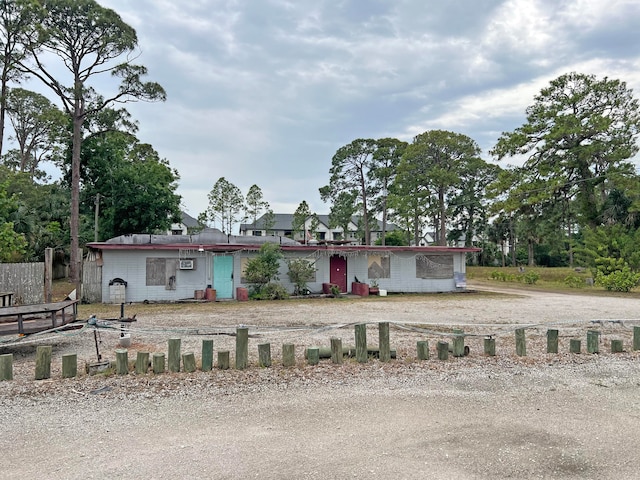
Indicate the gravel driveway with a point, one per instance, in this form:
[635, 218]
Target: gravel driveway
[476, 417]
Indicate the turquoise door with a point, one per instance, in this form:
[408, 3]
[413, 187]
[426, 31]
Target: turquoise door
[223, 276]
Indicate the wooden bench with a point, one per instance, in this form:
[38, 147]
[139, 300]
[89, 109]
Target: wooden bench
[41, 316]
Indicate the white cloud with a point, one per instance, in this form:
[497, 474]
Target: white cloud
[266, 92]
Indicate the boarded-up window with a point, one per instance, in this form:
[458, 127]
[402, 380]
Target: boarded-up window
[162, 272]
[379, 266]
[156, 271]
[434, 266]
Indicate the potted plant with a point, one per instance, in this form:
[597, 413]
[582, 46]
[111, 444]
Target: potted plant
[373, 287]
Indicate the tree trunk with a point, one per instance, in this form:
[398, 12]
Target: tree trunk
[530, 253]
[443, 219]
[570, 233]
[78, 118]
[3, 98]
[512, 243]
[365, 210]
[384, 220]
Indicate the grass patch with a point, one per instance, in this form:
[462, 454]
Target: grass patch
[556, 279]
[546, 275]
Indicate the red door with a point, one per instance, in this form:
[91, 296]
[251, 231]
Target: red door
[338, 272]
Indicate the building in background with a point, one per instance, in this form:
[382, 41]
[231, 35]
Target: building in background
[322, 234]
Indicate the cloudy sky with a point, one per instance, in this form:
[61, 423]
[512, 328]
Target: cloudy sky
[265, 91]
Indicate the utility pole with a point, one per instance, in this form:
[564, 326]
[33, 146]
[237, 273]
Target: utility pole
[95, 222]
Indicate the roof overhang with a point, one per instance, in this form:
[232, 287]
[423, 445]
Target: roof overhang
[235, 247]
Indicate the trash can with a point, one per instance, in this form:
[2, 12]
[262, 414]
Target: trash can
[117, 291]
[210, 294]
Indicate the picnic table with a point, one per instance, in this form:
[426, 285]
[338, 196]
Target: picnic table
[6, 298]
[37, 317]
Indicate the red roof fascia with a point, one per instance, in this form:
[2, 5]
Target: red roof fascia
[232, 247]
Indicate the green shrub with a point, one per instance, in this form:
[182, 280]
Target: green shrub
[574, 281]
[618, 281]
[530, 278]
[496, 275]
[300, 272]
[607, 265]
[264, 268]
[502, 276]
[270, 291]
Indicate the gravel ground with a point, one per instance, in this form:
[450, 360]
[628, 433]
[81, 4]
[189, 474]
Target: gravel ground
[539, 416]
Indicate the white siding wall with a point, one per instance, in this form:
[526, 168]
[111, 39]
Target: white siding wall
[131, 266]
[403, 273]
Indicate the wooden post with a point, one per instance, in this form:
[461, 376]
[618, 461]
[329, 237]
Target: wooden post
[383, 342]
[423, 350]
[223, 360]
[6, 367]
[458, 343]
[79, 258]
[442, 348]
[592, 341]
[552, 341]
[313, 355]
[574, 345]
[264, 355]
[48, 274]
[521, 342]
[189, 362]
[616, 346]
[490, 346]
[207, 355]
[142, 363]
[174, 355]
[43, 362]
[242, 348]
[636, 338]
[158, 362]
[336, 350]
[288, 355]
[69, 365]
[122, 361]
[361, 343]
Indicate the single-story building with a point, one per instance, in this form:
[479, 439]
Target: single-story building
[135, 268]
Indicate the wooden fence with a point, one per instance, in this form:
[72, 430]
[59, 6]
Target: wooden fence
[91, 282]
[25, 280]
[186, 362]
